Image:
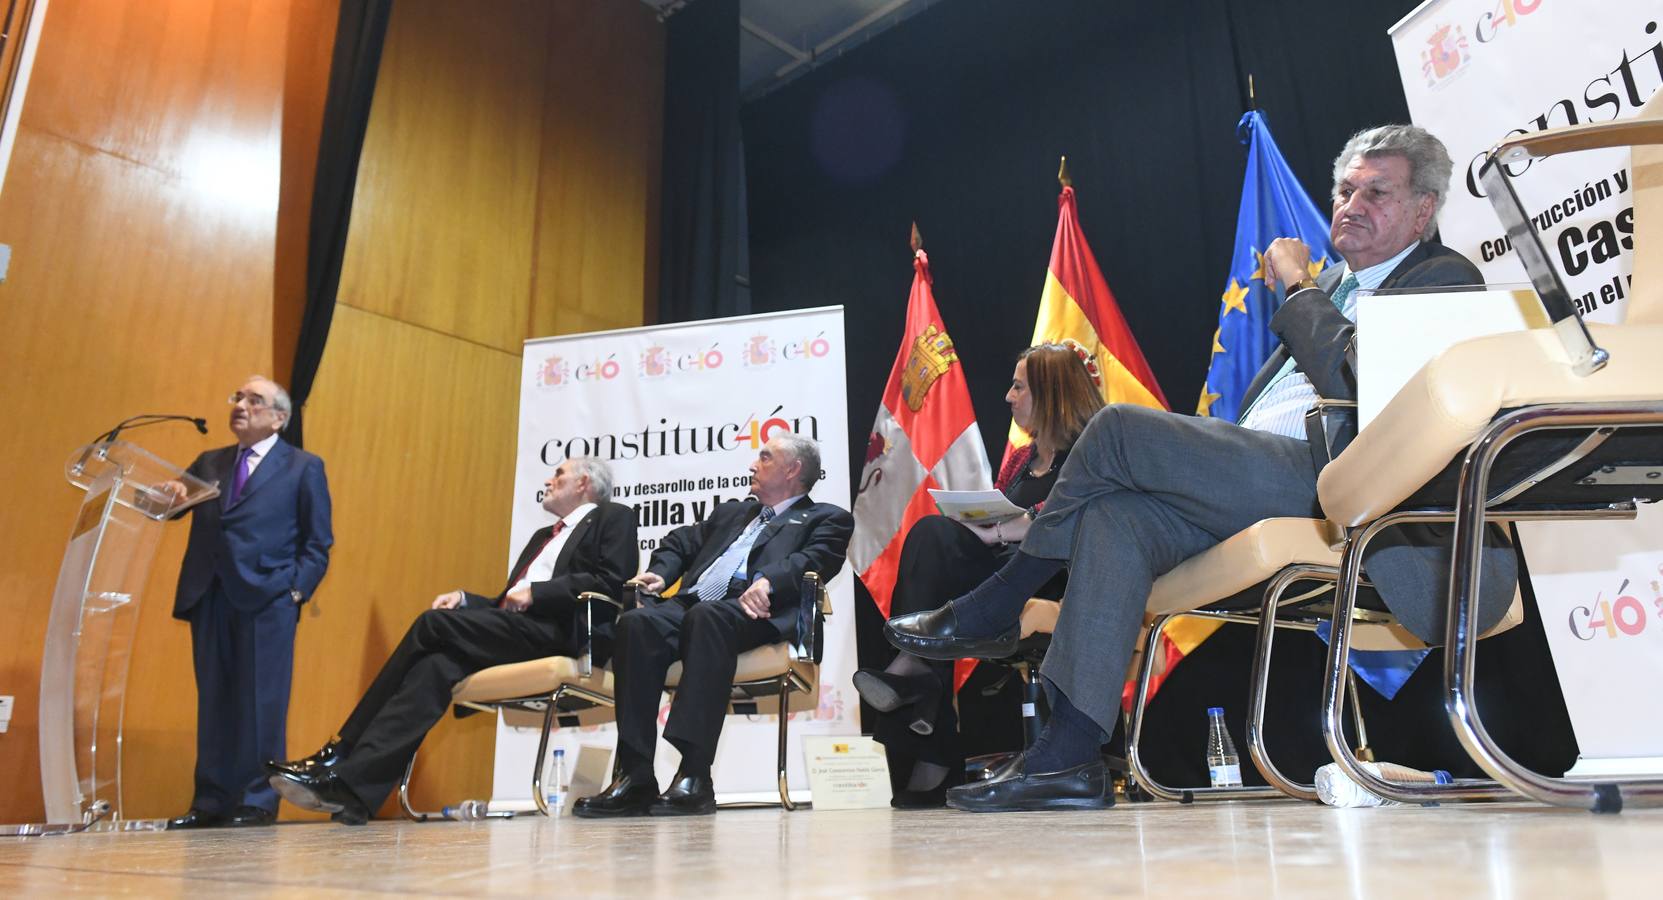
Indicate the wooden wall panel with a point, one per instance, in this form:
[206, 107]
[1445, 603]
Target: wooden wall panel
[509, 189]
[446, 206]
[408, 422]
[139, 208]
[598, 205]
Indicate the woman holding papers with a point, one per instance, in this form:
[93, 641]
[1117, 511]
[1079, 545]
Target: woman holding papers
[1052, 396]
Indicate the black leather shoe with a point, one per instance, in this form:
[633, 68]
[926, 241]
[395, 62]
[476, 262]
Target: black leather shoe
[326, 758]
[934, 635]
[322, 793]
[1085, 786]
[888, 693]
[934, 798]
[196, 818]
[251, 817]
[688, 795]
[627, 795]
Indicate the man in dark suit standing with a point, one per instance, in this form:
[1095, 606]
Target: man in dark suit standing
[741, 574]
[1144, 489]
[590, 547]
[255, 555]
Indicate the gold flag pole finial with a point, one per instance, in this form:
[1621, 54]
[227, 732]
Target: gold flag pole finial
[1063, 178]
[1252, 101]
[917, 239]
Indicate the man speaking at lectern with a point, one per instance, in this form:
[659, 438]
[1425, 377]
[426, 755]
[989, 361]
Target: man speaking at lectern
[255, 555]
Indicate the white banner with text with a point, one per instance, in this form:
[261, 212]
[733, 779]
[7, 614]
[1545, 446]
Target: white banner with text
[680, 412]
[1474, 73]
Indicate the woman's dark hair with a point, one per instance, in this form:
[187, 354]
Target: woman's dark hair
[1065, 397]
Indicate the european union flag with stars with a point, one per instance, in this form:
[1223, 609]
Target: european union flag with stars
[1273, 205]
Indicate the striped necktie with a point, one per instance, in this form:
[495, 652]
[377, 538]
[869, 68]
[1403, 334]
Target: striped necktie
[713, 585]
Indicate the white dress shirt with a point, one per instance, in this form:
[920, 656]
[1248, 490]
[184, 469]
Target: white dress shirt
[542, 568]
[1280, 408]
[260, 449]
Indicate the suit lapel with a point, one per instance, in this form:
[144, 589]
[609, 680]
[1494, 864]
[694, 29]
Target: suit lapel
[265, 471]
[1415, 258]
[533, 547]
[792, 514]
[570, 547]
[713, 550]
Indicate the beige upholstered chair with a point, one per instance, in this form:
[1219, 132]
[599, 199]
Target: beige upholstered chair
[1277, 573]
[780, 679]
[1577, 408]
[566, 690]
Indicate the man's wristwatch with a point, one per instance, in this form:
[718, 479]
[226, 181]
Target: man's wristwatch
[1306, 282]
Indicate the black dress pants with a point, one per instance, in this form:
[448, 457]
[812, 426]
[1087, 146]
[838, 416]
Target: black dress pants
[708, 638]
[940, 560]
[413, 689]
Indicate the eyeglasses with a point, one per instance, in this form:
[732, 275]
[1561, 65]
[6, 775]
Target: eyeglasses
[254, 401]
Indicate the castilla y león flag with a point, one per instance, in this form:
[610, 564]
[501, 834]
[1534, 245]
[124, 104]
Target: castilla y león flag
[925, 436]
[1076, 308]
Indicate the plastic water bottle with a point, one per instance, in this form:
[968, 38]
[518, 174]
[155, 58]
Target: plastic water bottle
[555, 779]
[1223, 765]
[467, 811]
[1335, 788]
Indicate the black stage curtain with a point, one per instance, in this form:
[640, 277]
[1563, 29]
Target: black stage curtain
[360, 32]
[705, 256]
[956, 118]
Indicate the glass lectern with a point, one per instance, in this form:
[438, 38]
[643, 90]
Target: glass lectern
[130, 494]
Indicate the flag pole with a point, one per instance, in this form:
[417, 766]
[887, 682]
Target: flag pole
[1252, 101]
[917, 239]
[1063, 178]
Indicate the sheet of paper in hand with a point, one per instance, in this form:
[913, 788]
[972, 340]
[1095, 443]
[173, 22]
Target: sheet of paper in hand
[975, 507]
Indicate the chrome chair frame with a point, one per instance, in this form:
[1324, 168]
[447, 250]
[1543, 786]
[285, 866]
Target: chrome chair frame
[816, 605]
[1277, 611]
[1469, 513]
[1473, 506]
[548, 703]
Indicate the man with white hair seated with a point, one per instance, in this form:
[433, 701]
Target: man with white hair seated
[591, 546]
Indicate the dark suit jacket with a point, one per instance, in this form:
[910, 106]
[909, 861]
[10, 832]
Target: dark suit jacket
[600, 555]
[1409, 564]
[807, 537]
[274, 539]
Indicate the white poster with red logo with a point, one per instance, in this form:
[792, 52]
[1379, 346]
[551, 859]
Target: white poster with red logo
[679, 412]
[1475, 72]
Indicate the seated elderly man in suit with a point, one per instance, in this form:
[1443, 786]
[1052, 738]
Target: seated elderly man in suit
[1146, 489]
[741, 574]
[591, 546]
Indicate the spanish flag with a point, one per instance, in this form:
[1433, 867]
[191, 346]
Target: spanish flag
[1077, 308]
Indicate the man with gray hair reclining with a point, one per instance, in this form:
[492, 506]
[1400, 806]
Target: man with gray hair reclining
[1146, 489]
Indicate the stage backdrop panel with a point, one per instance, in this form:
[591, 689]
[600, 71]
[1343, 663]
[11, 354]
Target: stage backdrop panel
[1475, 72]
[680, 411]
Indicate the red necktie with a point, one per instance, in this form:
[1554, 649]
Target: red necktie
[520, 572]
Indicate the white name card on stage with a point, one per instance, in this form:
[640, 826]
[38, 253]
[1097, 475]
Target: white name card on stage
[846, 772]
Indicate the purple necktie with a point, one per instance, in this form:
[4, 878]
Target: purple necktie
[239, 477]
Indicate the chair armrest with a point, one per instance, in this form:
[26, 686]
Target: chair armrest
[1329, 427]
[815, 604]
[589, 599]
